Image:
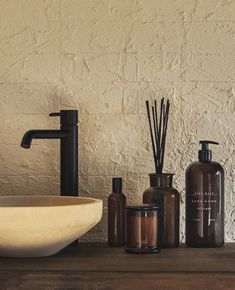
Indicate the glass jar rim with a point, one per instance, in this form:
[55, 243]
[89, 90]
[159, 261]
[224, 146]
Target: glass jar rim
[161, 174]
[142, 207]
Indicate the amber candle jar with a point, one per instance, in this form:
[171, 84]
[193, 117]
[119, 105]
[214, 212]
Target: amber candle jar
[166, 197]
[142, 229]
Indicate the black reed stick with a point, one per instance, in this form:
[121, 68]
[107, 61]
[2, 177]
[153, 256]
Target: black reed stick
[158, 130]
[164, 133]
[151, 133]
[155, 130]
[156, 116]
[159, 138]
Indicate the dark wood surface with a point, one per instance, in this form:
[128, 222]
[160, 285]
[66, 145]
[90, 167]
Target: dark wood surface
[96, 266]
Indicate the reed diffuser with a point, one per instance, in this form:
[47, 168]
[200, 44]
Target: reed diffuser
[161, 191]
[158, 128]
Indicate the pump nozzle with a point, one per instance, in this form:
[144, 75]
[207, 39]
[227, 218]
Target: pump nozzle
[205, 154]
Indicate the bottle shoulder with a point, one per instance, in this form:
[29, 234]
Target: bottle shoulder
[117, 196]
[198, 166]
[157, 190]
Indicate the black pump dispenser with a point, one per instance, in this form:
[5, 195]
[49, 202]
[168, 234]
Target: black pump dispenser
[205, 154]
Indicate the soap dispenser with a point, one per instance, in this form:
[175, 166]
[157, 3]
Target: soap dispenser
[205, 200]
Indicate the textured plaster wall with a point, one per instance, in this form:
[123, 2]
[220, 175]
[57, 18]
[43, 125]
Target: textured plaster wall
[104, 58]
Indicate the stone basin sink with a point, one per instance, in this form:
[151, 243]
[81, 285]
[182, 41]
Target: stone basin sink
[37, 226]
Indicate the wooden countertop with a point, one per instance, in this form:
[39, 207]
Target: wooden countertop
[96, 266]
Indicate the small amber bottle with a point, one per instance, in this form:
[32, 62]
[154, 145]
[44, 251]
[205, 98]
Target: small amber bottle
[116, 215]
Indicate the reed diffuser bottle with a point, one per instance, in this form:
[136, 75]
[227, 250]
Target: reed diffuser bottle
[161, 191]
[166, 197]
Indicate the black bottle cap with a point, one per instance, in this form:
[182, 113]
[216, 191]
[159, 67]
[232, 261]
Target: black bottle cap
[117, 185]
[205, 154]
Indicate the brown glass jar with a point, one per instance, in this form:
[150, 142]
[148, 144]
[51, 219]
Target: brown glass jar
[142, 229]
[166, 197]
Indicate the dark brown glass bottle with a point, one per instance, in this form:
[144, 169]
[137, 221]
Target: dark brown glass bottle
[205, 201]
[116, 215]
[166, 197]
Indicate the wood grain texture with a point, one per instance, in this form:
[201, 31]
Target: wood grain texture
[96, 266]
[114, 280]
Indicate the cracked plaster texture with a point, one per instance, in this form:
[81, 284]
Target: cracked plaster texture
[105, 58]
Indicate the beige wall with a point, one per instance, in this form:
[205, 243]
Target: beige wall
[105, 58]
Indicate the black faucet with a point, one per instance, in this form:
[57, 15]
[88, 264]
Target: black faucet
[68, 135]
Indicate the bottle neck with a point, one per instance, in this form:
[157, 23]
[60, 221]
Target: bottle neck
[117, 185]
[162, 180]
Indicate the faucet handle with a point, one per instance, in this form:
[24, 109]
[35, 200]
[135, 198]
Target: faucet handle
[55, 114]
[67, 117]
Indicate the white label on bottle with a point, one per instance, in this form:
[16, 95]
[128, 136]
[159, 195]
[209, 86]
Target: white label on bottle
[204, 202]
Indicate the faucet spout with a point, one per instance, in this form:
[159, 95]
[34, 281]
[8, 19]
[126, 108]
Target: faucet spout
[68, 136]
[41, 134]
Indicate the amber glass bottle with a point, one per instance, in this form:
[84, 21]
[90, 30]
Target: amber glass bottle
[205, 201]
[166, 197]
[116, 215]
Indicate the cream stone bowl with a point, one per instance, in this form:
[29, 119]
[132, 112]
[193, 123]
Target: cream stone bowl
[37, 226]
